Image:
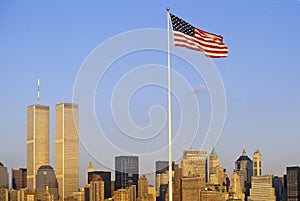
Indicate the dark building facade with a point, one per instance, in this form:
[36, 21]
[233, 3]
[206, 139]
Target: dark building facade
[162, 166]
[3, 176]
[293, 183]
[126, 171]
[19, 179]
[278, 185]
[46, 178]
[244, 168]
[161, 174]
[106, 177]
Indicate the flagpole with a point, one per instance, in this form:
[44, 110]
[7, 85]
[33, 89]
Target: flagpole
[169, 111]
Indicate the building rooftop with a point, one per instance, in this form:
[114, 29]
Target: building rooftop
[244, 156]
[213, 152]
[45, 167]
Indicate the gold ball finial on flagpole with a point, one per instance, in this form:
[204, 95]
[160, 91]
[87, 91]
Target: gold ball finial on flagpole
[168, 9]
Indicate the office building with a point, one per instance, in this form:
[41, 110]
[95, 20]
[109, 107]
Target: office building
[126, 171]
[121, 195]
[37, 141]
[4, 194]
[3, 176]
[257, 163]
[235, 190]
[79, 196]
[194, 164]
[151, 193]
[262, 189]
[162, 166]
[217, 173]
[244, 168]
[293, 183]
[143, 189]
[131, 191]
[106, 177]
[96, 191]
[86, 190]
[177, 183]
[46, 178]
[191, 188]
[213, 193]
[278, 185]
[66, 148]
[162, 177]
[19, 178]
[14, 195]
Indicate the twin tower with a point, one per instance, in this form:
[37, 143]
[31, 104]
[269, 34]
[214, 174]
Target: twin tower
[66, 145]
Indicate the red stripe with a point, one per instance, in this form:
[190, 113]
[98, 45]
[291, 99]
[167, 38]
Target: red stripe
[207, 52]
[191, 42]
[201, 42]
[206, 34]
[210, 44]
[210, 55]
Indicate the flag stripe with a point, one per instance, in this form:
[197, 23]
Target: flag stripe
[199, 41]
[185, 35]
[183, 40]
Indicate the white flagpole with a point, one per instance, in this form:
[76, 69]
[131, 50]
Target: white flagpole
[169, 111]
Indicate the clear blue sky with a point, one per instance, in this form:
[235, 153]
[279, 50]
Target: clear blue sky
[50, 41]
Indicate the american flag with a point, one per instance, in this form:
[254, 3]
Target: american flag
[186, 35]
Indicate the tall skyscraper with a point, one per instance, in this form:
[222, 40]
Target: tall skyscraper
[177, 183]
[293, 183]
[262, 189]
[66, 148]
[106, 177]
[194, 164]
[3, 176]
[194, 174]
[257, 163]
[235, 189]
[244, 168]
[19, 178]
[132, 196]
[143, 189]
[126, 171]
[217, 173]
[46, 178]
[278, 185]
[214, 162]
[37, 141]
[96, 189]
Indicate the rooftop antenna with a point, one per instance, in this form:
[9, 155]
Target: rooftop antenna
[38, 91]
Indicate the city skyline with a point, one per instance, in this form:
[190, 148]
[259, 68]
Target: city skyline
[260, 74]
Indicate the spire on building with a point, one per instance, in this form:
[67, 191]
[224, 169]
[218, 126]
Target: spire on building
[91, 167]
[213, 152]
[244, 152]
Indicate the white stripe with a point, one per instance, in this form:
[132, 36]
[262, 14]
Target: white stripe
[219, 54]
[210, 42]
[213, 43]
[196, 45]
